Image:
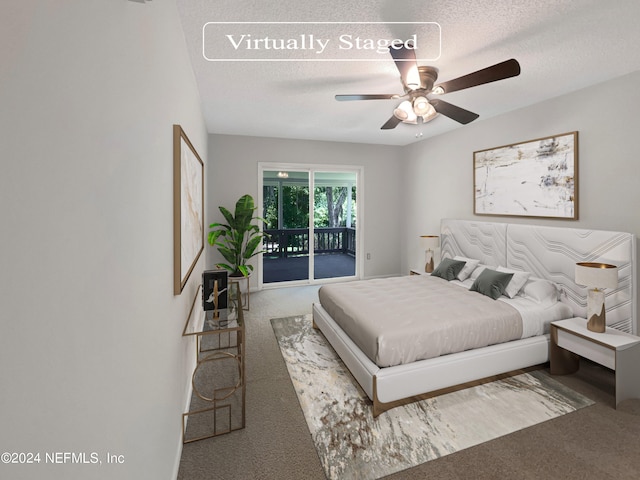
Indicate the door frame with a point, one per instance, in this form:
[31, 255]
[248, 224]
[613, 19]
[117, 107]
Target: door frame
[311, 169]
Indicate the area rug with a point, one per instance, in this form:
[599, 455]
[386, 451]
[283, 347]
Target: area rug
[352, 444]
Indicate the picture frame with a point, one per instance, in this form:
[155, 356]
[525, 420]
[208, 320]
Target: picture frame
[188, 208]
[536, 178]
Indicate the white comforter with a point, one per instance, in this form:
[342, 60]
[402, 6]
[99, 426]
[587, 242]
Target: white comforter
[404, 319]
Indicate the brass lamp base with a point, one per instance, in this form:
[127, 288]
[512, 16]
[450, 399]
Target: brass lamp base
[596, 312]
[429, 266]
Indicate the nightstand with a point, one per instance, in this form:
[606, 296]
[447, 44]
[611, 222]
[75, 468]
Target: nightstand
[614, 349]
[417, 271]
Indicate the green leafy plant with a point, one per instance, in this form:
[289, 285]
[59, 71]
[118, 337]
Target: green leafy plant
[239, 238]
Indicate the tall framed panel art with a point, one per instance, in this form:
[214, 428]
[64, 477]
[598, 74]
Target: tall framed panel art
[188, 208]
[536, 178]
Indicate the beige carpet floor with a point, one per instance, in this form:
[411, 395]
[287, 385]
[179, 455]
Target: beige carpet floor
[596, 442]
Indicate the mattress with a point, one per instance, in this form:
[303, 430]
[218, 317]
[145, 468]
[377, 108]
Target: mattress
[401, 320]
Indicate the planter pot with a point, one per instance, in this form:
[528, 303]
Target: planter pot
[243, 283]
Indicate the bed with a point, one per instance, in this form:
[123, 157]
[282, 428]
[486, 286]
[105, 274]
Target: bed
[383, 329]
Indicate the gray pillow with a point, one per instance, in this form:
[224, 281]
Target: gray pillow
[448, 269]
[491, 283]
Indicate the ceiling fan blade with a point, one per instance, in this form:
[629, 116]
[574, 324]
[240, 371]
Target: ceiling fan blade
[500, 71]
[458, 114]
[381, 96]
[391, 123]
[405, 59]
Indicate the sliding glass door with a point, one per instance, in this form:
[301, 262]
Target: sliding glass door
[334, 221]
[311, 216]
[285, 207]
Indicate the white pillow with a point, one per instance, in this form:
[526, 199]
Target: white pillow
[517, 281]
[540, 290]
[478, 270]
[468, 268]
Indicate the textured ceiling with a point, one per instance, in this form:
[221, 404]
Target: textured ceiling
[562, 46]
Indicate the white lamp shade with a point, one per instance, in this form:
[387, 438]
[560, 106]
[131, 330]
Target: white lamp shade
[421, 106]
[429, 116]
[430, 242]
[404, 112]
[597, 275]
[424, 109]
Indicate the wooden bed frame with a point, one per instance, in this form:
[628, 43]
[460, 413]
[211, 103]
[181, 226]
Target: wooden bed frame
[546, 252]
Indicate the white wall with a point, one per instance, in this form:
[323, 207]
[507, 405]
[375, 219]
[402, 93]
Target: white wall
[234, 171]
[91, 353]
[439, 171]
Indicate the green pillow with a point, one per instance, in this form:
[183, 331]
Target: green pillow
[448, 269]
[491, 283]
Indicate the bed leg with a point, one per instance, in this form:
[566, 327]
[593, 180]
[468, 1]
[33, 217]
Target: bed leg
[377, 407]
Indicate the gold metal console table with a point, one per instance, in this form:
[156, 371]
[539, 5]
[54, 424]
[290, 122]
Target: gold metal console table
[218, 380]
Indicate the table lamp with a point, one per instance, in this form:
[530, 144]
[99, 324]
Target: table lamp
[429, 243]
[596, 276]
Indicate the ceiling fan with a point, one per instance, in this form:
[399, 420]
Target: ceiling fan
[419, 82]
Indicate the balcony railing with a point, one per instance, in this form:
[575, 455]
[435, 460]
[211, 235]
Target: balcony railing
[295, 241]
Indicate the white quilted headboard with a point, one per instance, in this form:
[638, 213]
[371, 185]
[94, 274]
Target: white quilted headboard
[483, 241]
[551, 253]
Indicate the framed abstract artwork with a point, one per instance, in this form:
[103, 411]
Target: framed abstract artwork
[536, 178]
[188, 208]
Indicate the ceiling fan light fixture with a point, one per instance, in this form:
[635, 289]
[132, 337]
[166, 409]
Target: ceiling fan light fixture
[418, 82]
[429, 116]
[405, 112]
[413, 78]
[400, 114]
[421, 106]
[429, 113]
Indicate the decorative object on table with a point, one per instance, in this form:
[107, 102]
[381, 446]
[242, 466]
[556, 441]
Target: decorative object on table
[214, 290]
[537, 178]
[188, 210]
[429, 244]
[596, 276]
